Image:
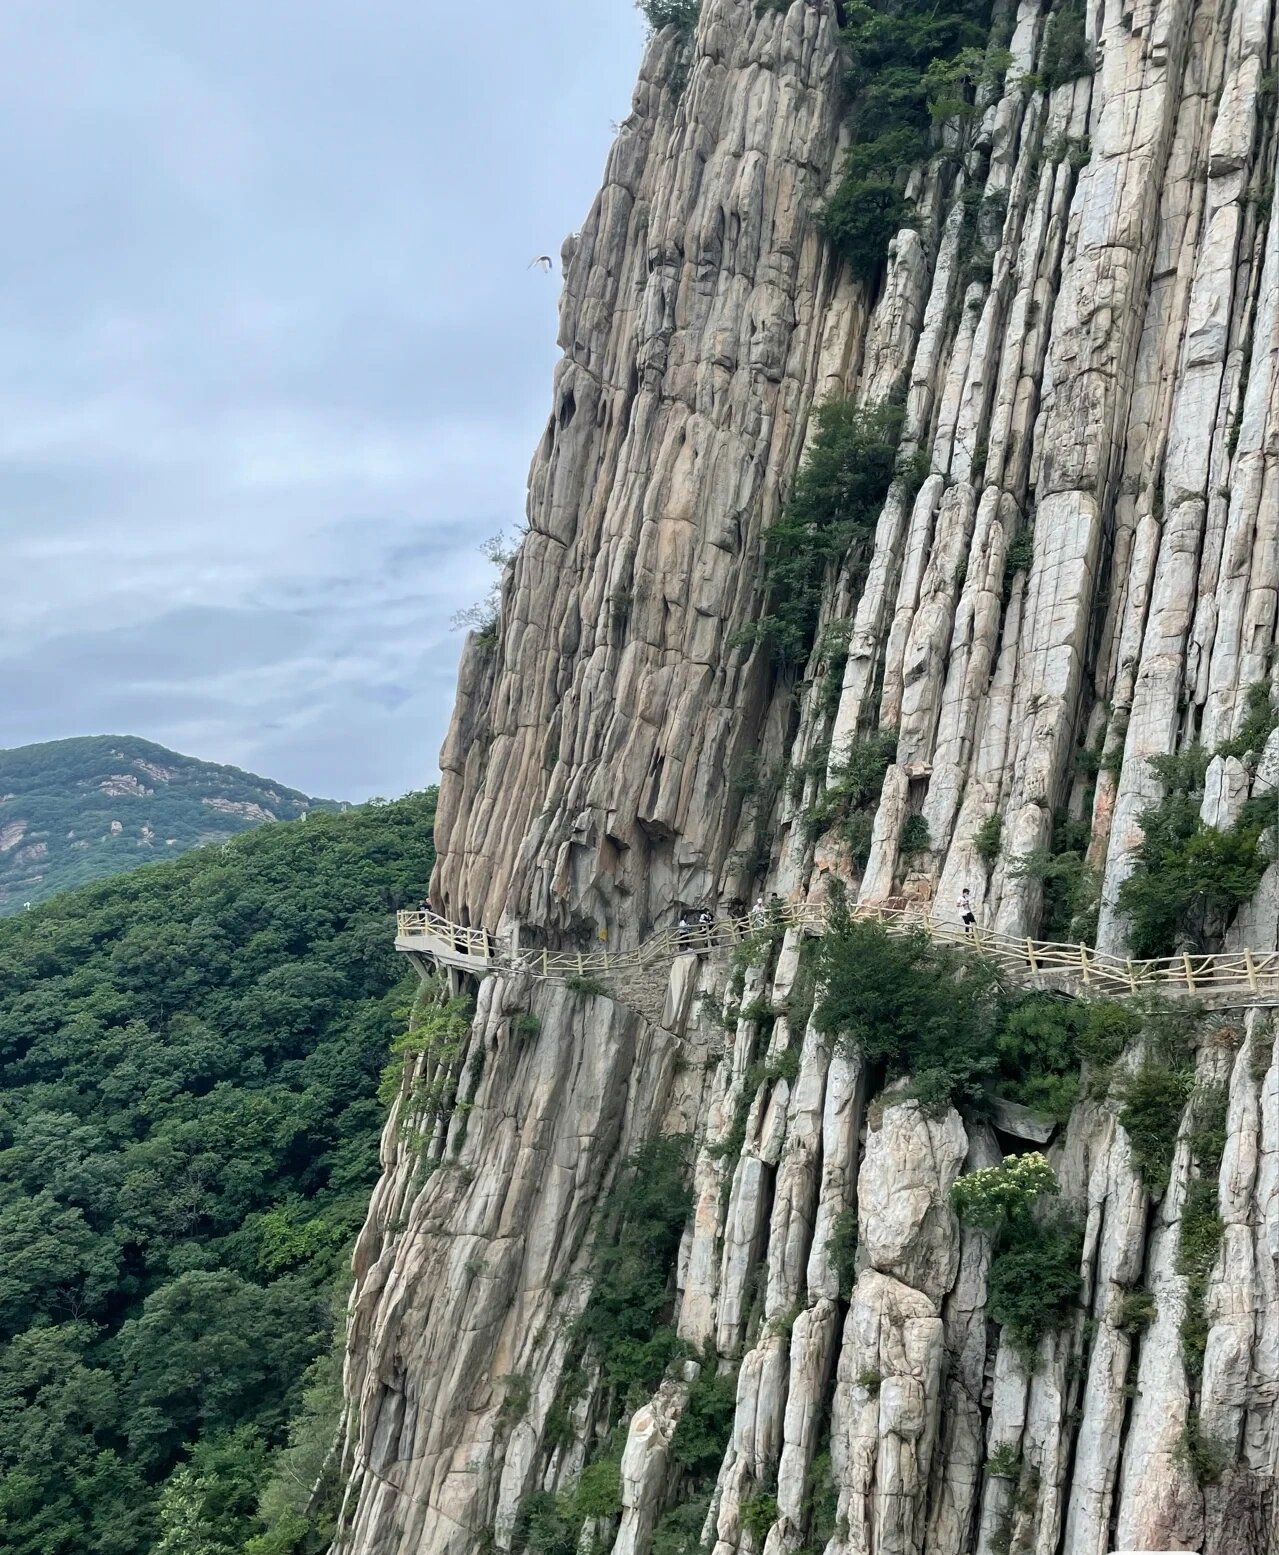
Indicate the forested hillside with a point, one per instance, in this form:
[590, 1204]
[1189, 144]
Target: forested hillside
[189, 1065]
[77, 810]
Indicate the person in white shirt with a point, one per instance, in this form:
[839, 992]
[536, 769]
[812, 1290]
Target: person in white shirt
[966, 914]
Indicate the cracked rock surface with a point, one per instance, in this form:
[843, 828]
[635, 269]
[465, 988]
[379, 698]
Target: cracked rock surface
[1090, 563]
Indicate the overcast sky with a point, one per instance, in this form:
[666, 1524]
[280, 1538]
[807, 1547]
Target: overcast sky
[272, 364]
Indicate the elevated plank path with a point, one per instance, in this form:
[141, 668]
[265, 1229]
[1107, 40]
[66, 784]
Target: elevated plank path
[1242, 977]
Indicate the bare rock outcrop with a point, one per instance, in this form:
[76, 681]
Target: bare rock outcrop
[1081, 330]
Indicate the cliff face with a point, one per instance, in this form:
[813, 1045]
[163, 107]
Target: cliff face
[1098, 398]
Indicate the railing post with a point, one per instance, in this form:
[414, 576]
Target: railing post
[1030, 954]
[580, 967]
[1132, 977]
[1252, 969]
[1190, 971]
[546, 963]
[1083, 962]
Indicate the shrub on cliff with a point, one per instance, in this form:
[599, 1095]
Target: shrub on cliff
[1034, 1280]
[994, 1196]
[1261, 719]
[907, 63]
[940, 1018]
[839, 491]
[1151, 1101]
[680, 14]
[1189, 878]
[1066, 55]
[847, 806]
[919, 1011]
[624, 1326]
[707, 1422]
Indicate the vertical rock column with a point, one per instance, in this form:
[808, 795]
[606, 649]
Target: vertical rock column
[1096, 331]
[594, 785]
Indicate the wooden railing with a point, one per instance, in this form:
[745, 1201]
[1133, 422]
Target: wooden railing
[1256, 972]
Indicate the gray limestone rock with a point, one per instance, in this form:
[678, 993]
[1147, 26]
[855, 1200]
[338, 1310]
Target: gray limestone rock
[1078, 555]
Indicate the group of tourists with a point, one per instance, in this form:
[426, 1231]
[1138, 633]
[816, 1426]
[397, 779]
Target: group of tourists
[696, 930]
[696, 933]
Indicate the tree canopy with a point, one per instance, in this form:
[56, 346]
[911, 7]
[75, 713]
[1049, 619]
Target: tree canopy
[189, 1124]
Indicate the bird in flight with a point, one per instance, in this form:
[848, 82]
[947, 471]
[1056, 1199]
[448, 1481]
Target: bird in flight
[542, 262]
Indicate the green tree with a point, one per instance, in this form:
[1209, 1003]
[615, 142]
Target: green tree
[908, 63]
[185, 1528]
[839, 491]
[920, 1012]
[1189, 878]
[680, 14]
[189, 1124]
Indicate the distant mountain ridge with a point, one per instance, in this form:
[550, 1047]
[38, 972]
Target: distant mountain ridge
[77, 810]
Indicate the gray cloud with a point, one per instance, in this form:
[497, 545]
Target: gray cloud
[271, 362]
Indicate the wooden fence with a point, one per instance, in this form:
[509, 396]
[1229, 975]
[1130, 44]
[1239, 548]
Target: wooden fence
[456, 945]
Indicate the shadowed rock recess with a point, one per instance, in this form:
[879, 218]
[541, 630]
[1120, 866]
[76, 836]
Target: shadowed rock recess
[1075, 342]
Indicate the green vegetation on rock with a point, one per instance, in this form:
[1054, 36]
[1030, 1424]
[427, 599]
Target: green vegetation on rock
[189, 1126]
[625, 1325]
[1189, 878]
[551, 1524]
[1066, 55]
[1034, 1280]
[79, 810]
[835, 505]
[679, 1531]
[625, 1331]
[995, 1195]
[941, 1020]
[707, 1422]
[841, 1249]
[919, 1011]
[989, 838]
[847, 806]
[1072, 889]
[1261, 719]
[1202, 1228]
[915, 837]
[680, 14]
[1152, 1099]
[908, 65]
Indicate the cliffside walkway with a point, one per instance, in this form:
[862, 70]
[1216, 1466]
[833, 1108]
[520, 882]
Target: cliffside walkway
[1250, 975]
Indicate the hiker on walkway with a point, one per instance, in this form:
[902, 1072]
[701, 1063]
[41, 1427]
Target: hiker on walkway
[706, 922]
[683, 932]
[776, 912]
[966, 914]
[759, 914]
